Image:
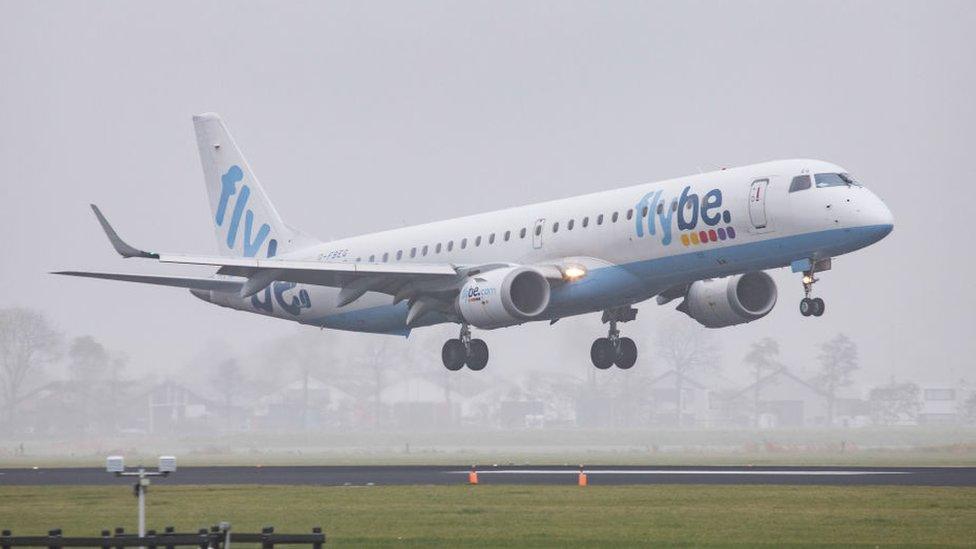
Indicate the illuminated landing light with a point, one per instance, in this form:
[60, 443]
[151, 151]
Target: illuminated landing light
[807, 279]
[574, 272]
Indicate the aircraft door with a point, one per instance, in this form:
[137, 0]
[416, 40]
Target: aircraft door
[757, 203]
[537, 233]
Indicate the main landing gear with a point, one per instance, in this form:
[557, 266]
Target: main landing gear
[613, 349]
[464, 350]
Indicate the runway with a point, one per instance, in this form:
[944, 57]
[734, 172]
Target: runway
[525, 475]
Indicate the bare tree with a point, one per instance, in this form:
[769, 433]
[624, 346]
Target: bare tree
[377, 360]
[687, 349]
[894, 402]
[838, 360]
[763, 357]
[27, 343]
[89, 364]
[227, 380]
[89, 361]
[969, 409]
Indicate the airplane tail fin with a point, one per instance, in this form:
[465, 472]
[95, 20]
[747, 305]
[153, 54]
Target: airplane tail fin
[246, 222]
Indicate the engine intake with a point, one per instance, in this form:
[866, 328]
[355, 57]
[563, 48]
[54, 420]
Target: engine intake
[503, 297]
[716, 303]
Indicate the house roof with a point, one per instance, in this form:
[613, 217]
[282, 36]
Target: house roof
[672, 373]
[782, 372]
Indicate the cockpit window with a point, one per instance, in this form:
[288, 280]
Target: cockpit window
[834, 180]
[800, 183]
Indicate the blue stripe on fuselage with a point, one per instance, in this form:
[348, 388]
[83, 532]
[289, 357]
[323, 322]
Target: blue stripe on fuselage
[633, 282]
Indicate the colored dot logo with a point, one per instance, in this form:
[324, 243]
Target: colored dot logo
[704, 237]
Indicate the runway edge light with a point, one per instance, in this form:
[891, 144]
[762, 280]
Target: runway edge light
[167, 464]
[115, 464]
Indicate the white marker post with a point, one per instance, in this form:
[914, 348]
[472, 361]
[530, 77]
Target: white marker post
[116, 465]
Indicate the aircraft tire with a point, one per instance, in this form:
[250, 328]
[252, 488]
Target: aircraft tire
[626, 354]
[601, 353]
[806, 306]
[478, 358]
[818, 307]
[453, 354]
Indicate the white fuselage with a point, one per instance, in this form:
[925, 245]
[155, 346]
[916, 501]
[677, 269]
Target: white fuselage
[747, 216]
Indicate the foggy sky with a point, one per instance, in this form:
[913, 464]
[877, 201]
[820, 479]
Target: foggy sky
[359, 117]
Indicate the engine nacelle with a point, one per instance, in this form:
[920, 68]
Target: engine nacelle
[503, 297]
[716, 303]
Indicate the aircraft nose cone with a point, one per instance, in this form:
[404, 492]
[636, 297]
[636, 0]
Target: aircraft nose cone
[878, 218]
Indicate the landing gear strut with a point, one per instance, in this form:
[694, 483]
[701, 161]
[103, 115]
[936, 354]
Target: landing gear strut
[812, 306]
[613, 349]
[464, 350]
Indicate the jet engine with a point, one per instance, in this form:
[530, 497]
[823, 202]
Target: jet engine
[503, 297]
[716, 303]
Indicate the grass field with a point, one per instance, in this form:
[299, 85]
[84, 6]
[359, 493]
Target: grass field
[525, 516]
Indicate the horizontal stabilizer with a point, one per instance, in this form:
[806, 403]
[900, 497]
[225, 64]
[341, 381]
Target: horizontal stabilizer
[189, 282]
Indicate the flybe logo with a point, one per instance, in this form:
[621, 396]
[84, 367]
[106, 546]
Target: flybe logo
[280, 293]
[251, 241]
[686, 213]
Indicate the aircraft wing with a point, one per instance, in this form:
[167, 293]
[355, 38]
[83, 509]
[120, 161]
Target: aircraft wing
[404, 280]
[436, 283]
[189, 282]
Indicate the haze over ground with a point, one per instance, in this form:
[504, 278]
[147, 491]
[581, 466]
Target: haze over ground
[359, 117]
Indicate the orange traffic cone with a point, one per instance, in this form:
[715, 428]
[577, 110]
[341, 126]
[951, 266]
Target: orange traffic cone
[473, 476]
[582, 477]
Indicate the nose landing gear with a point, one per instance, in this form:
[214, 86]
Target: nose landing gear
[464, 350]
[811, 306]
[613, 349]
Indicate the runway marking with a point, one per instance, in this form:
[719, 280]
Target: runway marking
[678, 472]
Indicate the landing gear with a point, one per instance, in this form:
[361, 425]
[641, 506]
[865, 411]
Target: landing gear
[810, 306]
[464, 350]
[613, 349]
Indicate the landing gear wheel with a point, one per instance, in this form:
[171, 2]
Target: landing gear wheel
[454, 355]
[818, 306]
[626, 353]
[602, 354]
[478, 356]
[806, 306]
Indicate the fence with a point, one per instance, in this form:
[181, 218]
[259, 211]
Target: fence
[215, 538]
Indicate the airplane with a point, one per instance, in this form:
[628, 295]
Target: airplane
[704, 239]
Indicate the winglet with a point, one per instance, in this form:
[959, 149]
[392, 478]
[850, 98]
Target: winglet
[120, 246]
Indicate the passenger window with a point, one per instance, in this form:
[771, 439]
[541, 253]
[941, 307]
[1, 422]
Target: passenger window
[413, 252]
[522, 233]
[372, 258]
[674, 206]
[437, 248]
[538, 230]
[800, 182]
[450, 245]
[508, 234]
[569, 226]
[630, 214]
[464, 243]
[424, 251]
[614, 217]
[386, 256]
[399, 255]
[477, 241]
[644, 212]
[555, 227]
[586, 222]
[491, 238]
[660, 208]
[599, 219]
